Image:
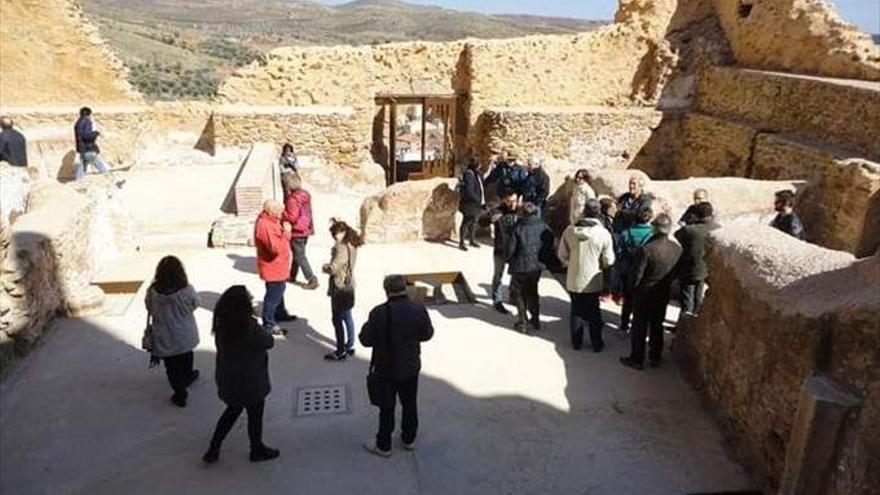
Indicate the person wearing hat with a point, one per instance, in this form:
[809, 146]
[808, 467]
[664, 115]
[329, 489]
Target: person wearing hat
[507, 175]
[652, 274]
[587, 251]
[395, 331]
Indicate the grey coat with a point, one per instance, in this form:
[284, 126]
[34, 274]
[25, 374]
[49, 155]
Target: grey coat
[174, 324]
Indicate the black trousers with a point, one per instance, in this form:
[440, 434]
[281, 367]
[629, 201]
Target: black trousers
[648, 316]
[300, 262]
[179, 370]
[627, 310]
[468, 229]
[407, 390]
[690, 295]
[527, 296]
[254, 426]
[585, 310]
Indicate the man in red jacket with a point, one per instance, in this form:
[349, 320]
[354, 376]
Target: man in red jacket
[273, 264]
[298, 213]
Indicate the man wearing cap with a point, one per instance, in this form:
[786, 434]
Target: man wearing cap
[395, 331]
[508, 175]
[586, 249]
[652, 275]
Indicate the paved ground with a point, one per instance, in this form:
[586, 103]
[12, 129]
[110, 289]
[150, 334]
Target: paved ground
[501, 412]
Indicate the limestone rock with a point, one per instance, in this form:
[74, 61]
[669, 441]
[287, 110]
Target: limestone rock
[231, 230]
[411, 211]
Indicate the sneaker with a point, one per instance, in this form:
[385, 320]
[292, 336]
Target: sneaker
[264, 454]
[312, 285]
[336, 356]
[409, 446]
[475, 245]
[278, 331]
[462, 247]
[500, 308]
[371, 448]
[211, 456]
[350, 352]
[535, 324]
[178, 400]
[631, 363]
[520, 327]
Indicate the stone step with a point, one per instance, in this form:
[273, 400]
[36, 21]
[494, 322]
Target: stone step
[840, 112]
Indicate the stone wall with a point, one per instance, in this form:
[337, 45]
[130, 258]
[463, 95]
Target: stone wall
[329, 132]
[801, 36]
[52, 253]
[50, 55]
[778, 312]
[592, 137]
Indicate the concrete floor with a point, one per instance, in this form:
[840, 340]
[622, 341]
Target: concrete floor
[500, 412]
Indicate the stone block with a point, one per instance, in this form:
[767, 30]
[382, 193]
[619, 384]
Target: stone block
[411, 211]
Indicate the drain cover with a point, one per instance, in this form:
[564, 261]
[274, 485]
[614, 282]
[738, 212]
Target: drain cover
[319, 401]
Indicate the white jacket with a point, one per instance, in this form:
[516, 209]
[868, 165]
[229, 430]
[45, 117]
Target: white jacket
[586, 249]
[579, 196]
[174, 324]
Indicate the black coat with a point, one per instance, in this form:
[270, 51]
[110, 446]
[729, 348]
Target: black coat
[536, 188]
[86, 136]
[654, 267]
[629, 208]
[242, 372]
[471, 192]
[790, 224]
[13, 148]
[503, 229]
[692, 265]
[410, 325]
[525, 246]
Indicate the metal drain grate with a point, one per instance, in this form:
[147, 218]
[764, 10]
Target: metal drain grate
[319, 401]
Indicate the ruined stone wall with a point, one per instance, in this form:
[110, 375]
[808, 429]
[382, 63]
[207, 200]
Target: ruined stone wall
[332, 133]
[50, 55]
[778, 311]
[800, 36]
[593, 137]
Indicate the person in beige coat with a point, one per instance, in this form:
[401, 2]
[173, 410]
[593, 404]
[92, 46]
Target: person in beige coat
[579, 195]
[341, 287]
[586, 250]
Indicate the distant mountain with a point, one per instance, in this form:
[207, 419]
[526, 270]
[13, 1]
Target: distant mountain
[182, 48]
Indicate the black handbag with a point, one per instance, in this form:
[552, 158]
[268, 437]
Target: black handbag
[379, 389]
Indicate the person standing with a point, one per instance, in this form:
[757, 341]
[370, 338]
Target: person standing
[13, 145]
[298, 213]
[242, 372]
[693, 270]
[524, 250]
[786, 219]
[273, 264]
[342, 287]
[288, 161]
[587, 251]
[171, 303]
[395, 331]
[630, 203]
[582, 192]
[503, 220]
[653, 273]
[690, 215]
[536, 188]
[471, 204]
[87, 144]
[507, 175]
[628, 243]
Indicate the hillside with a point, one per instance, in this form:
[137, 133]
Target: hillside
[183, 48]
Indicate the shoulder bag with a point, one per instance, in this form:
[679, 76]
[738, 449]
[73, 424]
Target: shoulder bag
[345, 294]
[379, 388]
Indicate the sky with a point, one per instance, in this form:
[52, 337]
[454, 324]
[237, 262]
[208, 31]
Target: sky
[864, 13]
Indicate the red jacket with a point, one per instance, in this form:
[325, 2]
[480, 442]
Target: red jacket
[298, 213]
[273, 249]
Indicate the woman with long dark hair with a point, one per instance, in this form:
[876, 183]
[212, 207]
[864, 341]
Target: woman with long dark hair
[242, 371]
[288, 162]
[341, 287]
[171, 302]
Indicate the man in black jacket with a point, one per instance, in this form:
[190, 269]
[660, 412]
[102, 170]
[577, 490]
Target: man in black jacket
[13, 145]
[87, 144]
[692, 268]
[503, 219]
[471, 204]
[524, 251]
[690, 215]
[632, 202]
[395, 331]
[786, 219]
[536, 188]
[652, 276]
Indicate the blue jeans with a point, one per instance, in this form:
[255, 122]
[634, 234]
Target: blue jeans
[497, 275]
[93, 158]
[344, 336]
[273, 304]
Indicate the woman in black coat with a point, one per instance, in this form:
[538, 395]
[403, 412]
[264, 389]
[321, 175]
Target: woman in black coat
[471, 204]
[242, 372]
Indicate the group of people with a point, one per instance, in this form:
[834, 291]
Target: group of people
[614, 248]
